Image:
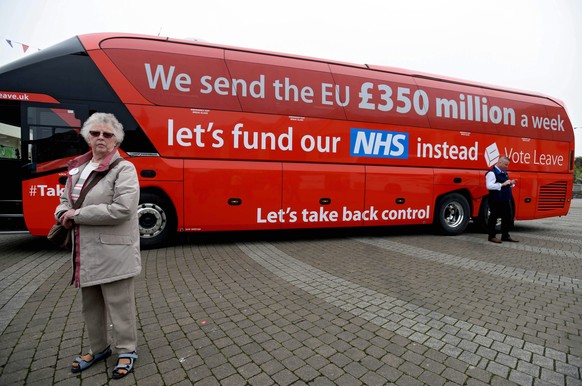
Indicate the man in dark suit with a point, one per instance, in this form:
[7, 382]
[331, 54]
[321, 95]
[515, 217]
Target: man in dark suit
[499, 186]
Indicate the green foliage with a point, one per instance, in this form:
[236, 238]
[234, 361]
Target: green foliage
[578, 170]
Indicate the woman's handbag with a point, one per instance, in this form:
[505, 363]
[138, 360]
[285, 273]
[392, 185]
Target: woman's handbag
[61, 236]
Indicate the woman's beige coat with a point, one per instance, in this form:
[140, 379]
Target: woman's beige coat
[106, 232]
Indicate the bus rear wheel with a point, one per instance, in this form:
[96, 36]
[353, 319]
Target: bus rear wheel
[452, 214]
[157, 221]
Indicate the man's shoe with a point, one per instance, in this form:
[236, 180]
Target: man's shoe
[510, 240]
[495, 240]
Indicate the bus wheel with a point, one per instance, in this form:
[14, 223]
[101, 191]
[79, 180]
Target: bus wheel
[157, 221]
[484, 212]
[453, 214]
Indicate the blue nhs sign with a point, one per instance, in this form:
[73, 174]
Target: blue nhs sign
[378, 144]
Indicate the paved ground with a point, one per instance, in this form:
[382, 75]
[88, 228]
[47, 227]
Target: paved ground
[349, 307]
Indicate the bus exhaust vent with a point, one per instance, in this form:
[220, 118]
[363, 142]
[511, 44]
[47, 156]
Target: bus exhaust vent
[552, 196]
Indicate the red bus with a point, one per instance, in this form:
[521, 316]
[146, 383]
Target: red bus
[228, 138]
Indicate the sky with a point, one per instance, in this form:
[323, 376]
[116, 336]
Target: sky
[530, 45]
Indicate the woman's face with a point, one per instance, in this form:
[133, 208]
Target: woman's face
[102, 140]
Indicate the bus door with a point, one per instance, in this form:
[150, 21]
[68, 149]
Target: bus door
[50, 138]
[11, 163]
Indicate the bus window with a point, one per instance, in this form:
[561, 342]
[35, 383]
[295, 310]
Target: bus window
[10, 132]
[53, 137]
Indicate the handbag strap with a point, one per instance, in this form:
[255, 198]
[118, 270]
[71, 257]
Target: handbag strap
[92, 183]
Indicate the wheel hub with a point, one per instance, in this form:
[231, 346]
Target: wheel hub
[152, 220]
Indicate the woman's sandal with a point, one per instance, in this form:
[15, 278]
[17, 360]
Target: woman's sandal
[127, 367]
[83, 364]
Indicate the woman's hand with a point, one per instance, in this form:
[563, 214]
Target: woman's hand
[67, 219]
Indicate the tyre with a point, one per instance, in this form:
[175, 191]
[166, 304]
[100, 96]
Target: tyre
[484, 215]
[452, 214]
[157, 220]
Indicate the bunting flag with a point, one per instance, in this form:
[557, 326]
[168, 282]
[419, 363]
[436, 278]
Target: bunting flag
[15, 44]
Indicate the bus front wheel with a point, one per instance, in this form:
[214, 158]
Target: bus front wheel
[157, 221]
[453, 214]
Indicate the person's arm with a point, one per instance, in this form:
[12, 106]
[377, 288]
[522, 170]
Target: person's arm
[492, 184]
[64, 208]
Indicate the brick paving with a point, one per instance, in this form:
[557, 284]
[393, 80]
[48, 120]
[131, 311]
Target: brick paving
[342, 307]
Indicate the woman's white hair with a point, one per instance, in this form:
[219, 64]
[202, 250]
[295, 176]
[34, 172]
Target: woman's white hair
[103, 119]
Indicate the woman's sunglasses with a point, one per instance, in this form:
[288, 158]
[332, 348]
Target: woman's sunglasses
[98, 133]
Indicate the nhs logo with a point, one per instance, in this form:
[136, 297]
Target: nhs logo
[378, 144]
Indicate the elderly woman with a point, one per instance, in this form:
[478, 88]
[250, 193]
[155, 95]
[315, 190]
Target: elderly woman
[106, 255]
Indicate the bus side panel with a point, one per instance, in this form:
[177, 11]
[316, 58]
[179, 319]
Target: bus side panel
[400, 195]
[366, 86]
[554, 195]
[458, 178]
[540, 195]
[40, 198]
[323, 195]
[158, 169]
[162, 174]
[524, 195]
[226, 195]
[471, 183]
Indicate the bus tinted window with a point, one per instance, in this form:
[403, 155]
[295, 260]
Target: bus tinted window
[53, 136]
